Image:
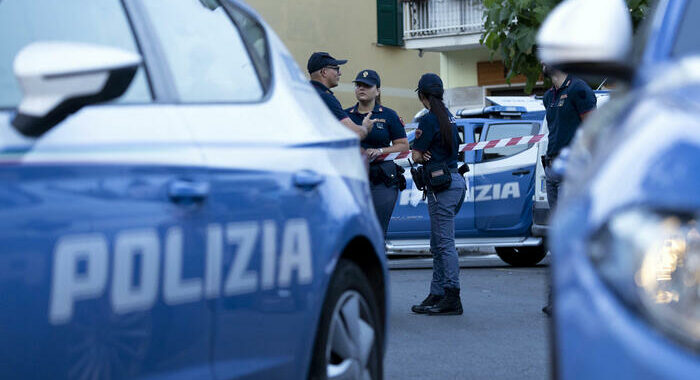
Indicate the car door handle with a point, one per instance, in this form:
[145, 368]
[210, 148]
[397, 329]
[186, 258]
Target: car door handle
[182, 191]
[307, 179]
[521, 172]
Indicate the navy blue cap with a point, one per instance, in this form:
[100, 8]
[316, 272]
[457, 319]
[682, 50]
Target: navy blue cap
[321, 59]
[431, 84]
[368, 77]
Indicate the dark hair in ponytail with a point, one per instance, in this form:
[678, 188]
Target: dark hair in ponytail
[438, 108]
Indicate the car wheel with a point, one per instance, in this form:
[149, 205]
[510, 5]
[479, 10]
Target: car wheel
[522, 256]
[349, 339]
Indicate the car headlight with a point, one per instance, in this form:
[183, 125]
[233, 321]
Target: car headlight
[652, 261]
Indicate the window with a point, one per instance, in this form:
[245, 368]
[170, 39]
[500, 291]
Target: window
[254, 36]
[389, 22]
[506, 131]
[206, 55]
[99, 22]
[687, 38]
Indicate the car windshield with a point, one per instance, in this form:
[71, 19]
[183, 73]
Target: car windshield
[687, 38]
[101, 22]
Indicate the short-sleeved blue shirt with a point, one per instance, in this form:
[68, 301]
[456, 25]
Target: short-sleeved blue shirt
[382, 134]
[327, 95]
[428, 139]
[565, 106]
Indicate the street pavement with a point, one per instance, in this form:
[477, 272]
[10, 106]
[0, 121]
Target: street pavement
[502, 334]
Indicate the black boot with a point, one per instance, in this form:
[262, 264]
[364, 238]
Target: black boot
[449, 305]
[429, 301]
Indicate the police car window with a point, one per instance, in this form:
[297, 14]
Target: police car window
[477, 131]
[96, 22]
[207, 58]
[687, 37]
[506, 131]
[254, 36]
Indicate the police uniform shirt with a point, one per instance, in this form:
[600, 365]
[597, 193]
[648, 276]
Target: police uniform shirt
[327, 95]
[383, 133]
[564, 109]
[428, 139]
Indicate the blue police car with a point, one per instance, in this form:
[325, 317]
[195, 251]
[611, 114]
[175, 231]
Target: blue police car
[625, 237]
[497, 211]
[187, 228]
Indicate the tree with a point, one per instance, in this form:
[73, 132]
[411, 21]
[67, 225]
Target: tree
[510, 28]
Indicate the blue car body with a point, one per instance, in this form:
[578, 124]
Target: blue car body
[630, 197]
[170, 238]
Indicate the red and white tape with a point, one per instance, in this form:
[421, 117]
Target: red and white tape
[502, 143]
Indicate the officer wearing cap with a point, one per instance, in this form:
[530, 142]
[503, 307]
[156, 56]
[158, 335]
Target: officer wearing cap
[568, 103]
[325, 74]
[436, 146]
[386, 178]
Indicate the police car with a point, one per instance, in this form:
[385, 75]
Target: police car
[497, 211]
[212, 220]
[625, 238]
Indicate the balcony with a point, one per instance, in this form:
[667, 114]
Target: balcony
[442, 25]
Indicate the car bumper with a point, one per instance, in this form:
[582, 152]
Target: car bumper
[597, 337]
[540, 218]
[539, 230]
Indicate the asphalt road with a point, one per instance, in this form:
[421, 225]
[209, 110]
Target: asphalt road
[502, 334]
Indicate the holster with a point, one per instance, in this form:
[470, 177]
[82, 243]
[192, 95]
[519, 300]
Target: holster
[438, 176]
[387, 172]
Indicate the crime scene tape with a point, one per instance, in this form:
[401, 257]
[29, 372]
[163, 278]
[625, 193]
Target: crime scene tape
[501, 143]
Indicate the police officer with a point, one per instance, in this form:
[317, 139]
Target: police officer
[386, 137]
[568, 103]
[436, 147]
[325, 74]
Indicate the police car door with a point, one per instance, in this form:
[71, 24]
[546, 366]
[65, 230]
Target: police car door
[263, 207]
[503, 180]
[100, 260]
[410, 219]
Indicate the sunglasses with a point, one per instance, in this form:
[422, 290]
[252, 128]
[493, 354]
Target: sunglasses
[336, 68]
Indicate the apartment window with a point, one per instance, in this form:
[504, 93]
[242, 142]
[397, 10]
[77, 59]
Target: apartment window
[389, 22]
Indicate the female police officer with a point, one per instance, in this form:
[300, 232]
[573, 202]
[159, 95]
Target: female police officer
[436, 147]
[387, 136]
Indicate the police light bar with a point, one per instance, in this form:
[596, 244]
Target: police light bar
[493, 111]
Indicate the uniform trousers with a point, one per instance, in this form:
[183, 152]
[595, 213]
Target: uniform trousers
[384, 198]
[443, 207]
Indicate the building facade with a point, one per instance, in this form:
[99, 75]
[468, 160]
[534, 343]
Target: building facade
[352, 29]
[453, 28]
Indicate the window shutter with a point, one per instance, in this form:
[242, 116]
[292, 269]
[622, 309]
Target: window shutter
[389, 22]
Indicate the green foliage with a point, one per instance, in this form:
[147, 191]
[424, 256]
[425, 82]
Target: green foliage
[511, 27]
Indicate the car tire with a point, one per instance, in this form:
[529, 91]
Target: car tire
[349, 338]
[522, 256]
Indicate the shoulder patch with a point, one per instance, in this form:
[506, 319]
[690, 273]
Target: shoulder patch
[419, 133]
[402, 122]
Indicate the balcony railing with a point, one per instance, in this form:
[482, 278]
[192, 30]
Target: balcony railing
[437, 18]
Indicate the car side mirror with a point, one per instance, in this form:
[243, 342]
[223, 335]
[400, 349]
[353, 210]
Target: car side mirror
[59, 78]
[588, 37]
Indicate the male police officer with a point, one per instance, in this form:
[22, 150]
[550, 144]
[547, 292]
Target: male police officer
[325, 74]
[568, 103]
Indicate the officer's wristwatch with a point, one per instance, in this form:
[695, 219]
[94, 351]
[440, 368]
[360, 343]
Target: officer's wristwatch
[381, 151]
